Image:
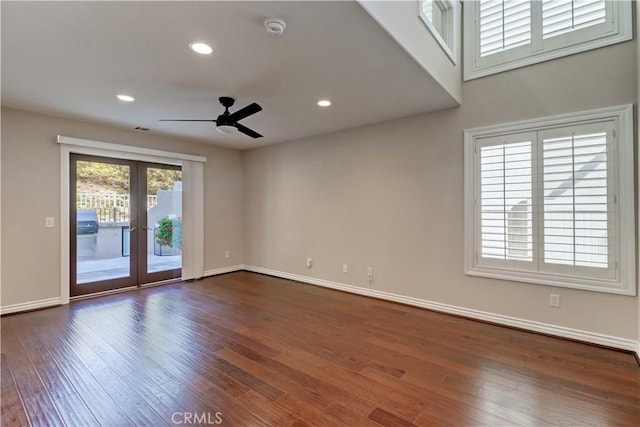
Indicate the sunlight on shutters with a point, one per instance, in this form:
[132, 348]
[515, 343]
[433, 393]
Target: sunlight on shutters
[504, 25]
[563, 16]
[575, 200]
[505, 195]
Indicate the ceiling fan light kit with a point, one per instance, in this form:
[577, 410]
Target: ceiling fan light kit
[227, 129]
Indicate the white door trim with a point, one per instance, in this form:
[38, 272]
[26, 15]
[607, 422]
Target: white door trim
[70, 145]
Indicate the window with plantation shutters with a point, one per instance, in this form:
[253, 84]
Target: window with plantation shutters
[500, 35]
[549, 201]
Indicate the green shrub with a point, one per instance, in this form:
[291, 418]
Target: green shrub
[169, 232]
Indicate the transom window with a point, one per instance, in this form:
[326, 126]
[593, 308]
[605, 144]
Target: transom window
[441, 18]
[551, 201]
[504, 34]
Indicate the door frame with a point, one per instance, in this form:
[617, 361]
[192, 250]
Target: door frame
[193, 195]
[118, 283]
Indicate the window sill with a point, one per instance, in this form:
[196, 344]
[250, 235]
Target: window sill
[572, 282]
[476, 71]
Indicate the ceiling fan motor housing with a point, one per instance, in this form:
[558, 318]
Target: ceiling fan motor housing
[225, 120]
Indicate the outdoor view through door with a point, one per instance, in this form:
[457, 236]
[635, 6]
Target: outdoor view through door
[126, 223]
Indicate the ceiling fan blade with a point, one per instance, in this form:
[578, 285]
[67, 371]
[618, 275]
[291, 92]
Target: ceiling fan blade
[245, 112]
[247, 131]
[187, 120]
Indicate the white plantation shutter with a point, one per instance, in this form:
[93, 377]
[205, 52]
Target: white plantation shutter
[501, 35]
[574, 217]
[506, 218]
[504, 25]
[563, 16]
[551, 201]
[576, 199]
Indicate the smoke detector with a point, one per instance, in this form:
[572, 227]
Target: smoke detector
[275, 26]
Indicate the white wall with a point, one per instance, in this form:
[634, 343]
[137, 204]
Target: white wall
[390, 196]
[31, 190]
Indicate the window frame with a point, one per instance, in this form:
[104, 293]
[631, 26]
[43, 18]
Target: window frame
[617, 28]
[621, 173]
[449, 40]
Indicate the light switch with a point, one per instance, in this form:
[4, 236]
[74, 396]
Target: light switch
[48, 222]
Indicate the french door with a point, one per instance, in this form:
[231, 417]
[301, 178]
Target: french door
[125, 223]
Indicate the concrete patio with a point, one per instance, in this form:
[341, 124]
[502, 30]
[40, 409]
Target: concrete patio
[112, 268]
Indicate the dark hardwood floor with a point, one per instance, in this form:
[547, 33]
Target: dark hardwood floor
[250, 350]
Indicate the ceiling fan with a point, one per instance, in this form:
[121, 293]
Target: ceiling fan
[226, 122]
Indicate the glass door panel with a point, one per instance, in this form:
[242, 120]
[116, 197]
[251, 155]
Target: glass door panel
[101, 224]
[161, 250]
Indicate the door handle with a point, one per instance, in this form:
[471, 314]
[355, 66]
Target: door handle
[146, 228]
[132, 229]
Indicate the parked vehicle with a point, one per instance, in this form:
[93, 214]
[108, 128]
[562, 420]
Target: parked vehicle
[87, 222]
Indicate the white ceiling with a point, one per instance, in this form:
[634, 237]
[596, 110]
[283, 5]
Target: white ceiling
[70, 59]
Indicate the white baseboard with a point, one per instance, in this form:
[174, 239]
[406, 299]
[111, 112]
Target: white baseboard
[545, 328]
[32, 305]
[224, 270]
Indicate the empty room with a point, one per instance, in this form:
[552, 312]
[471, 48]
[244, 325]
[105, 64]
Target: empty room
[319, 213]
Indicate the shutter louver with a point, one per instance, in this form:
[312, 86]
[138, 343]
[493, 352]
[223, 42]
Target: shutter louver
[504, 25]
[575, 200]
[563, 16]
[505, 197]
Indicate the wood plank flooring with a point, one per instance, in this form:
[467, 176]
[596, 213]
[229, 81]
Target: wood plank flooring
[244, 349]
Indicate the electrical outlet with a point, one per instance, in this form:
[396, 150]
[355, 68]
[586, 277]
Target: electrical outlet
[345, 268]
[227, 254]
[370, 272]
[309, 262]
[554, 300]
[48, 222]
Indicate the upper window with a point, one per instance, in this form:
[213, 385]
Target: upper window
[504, 34]
[551, 201]
[441, 17]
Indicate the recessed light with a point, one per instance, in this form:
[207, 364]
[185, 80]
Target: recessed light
[201, 48]
[324, 103]
[125, 98]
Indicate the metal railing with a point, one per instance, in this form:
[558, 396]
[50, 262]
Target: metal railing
[110, 207]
